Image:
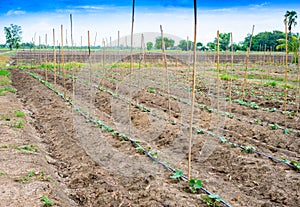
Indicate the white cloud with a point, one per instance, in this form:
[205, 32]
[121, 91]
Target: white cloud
[15, 12]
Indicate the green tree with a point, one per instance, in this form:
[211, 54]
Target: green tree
[224, 41]
[169, 43]
[263, 40]
[13, 36]
[185, 45]
[211, 46]
[149, 45]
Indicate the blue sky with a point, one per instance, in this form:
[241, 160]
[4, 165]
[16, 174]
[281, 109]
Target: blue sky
[38, 17]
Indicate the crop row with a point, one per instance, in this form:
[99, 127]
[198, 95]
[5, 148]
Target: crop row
[293, 164]
[195, 183]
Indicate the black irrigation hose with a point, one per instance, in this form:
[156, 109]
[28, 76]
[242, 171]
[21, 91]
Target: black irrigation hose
[198, 129]
[134, 142]
[202, 106]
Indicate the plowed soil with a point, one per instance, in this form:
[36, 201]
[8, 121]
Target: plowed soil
[90, 167]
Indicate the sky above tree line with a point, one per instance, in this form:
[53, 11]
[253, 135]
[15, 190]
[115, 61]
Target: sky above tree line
[38, 18]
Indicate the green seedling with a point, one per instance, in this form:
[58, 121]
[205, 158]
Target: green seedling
[107, 128]
[256, 121]
[248, 149]
[177, 175]
[19, 113]
[229, 115]
[1, 173]
[140, 149]
[154, 153]
[212, 200]
[296, 164]
[5, 117]
[47, 201]
[253, 105]
[274, 126]
[200, 131]
[29, 148]
[195, 184]
[19, 124]
[286, 131]
[151, 90]
[223, 139]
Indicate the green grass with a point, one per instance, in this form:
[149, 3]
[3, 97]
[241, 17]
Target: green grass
[4, 81]
[4, 73]
[228, 77]
[4, 90]
[19, 113]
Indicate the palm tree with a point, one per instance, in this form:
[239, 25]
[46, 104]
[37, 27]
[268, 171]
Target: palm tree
[293, 45]
[290, 17]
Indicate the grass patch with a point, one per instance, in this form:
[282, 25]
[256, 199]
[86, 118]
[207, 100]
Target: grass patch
[18, 124]
[3, 91]
[4, 73]
[228, 77]
[19, 113]
[4, 81]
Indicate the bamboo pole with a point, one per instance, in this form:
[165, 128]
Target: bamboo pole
[40, 50]
[72, 53]
[270, 65]
[193, 93]
[90, 73]
[298, 79]
[54, 58]
[131, 62]
[286, 68]
[63, 61]
[46, 59]
[231, 74]
[218, 80]
[247, 62]
[166, 68]
[103, 62]
[118, 49]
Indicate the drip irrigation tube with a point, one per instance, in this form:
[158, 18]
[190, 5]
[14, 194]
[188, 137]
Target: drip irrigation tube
[286, 162]
[126, 138]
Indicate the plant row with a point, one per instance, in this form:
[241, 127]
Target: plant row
[195, 184]
[249, 149]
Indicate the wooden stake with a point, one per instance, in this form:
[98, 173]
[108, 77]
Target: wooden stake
[166, 68]
[247, 61]
[90, 72]
[46, 59]
[63, 61]
[131, 63]
[193, 93]
[286, 68]
[231, 74]
[54, 58]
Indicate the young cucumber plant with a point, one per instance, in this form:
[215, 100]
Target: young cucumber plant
[177, 175]
[212, 200]
[195, 184]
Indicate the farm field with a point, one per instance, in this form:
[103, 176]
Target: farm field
[112, 136]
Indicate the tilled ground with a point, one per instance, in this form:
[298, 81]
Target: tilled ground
[98, 169]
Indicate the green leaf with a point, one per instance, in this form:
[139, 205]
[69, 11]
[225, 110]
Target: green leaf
[177, 174]
[223, 139]
[215, 197]
[195, 185]
[286, 131]
[200, 131]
